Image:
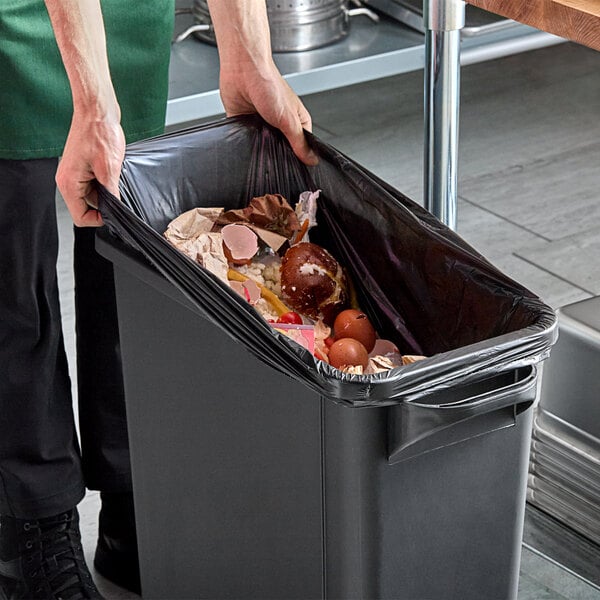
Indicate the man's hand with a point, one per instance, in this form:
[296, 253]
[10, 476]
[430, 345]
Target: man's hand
[249, 79]
[94, 150]
[267, 93]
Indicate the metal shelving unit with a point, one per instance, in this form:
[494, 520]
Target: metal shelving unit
[371, 51]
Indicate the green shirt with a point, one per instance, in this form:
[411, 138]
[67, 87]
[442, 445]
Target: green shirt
[35, 98]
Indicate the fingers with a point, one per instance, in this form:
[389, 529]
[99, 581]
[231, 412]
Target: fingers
[305, 118]
[80, 199]
[89, 218]
[82, 211]
[294, 132]
[301, 148]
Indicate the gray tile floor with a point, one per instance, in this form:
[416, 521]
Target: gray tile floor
[529, 182]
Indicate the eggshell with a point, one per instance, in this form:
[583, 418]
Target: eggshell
[240, 243]
[346, 352]
[352, 323]
[384, 347]
[253, 291]
[388, 350]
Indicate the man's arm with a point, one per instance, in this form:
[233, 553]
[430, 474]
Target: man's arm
[249, 80]
[95, 146]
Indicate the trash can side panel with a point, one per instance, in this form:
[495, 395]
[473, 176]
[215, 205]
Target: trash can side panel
[354, 444]
[457, 521]
[445, 525]
[225, 455]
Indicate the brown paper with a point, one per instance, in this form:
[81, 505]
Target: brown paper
[271, 213]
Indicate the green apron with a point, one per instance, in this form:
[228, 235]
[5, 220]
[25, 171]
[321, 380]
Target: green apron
[35, 98]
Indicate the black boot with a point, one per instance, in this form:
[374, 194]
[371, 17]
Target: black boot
[117, 553]
[43, 559]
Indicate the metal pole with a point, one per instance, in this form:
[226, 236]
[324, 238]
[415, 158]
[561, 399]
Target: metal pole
[443, 21]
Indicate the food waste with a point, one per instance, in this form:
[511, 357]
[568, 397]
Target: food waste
[264, 253]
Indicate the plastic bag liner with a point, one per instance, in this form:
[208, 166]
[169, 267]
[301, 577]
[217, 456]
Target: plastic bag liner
[422, 286]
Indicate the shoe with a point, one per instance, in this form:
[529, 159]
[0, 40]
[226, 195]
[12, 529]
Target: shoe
[116, 556]
[43, 559]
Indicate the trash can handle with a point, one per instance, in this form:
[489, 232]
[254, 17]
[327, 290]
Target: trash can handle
[459, 414]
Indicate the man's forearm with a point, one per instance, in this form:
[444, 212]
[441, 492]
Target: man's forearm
[242, 31]
[249, 79]
[79, 31]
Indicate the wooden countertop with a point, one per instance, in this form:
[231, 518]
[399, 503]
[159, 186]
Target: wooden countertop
[576, 20]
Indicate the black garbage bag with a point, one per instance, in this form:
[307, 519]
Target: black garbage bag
[422, 286]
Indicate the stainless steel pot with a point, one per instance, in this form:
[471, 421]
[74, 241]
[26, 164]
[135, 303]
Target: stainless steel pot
[295, 25]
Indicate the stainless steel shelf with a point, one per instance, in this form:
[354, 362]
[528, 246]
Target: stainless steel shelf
[371, 51]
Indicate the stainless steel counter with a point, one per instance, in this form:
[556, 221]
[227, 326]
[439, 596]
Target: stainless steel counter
[371, 51]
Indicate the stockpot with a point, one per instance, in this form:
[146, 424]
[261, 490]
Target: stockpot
[295, 25]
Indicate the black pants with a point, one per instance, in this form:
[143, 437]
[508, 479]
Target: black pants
[42, 471]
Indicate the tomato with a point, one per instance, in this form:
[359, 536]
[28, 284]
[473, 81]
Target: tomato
[290, 318]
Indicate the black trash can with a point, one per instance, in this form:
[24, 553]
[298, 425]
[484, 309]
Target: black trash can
[264, 475]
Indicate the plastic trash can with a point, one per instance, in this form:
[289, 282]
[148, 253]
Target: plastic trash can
[259, 473]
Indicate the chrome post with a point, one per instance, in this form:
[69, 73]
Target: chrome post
[443, 21]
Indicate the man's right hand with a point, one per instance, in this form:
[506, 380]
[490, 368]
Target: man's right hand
[94, 151]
